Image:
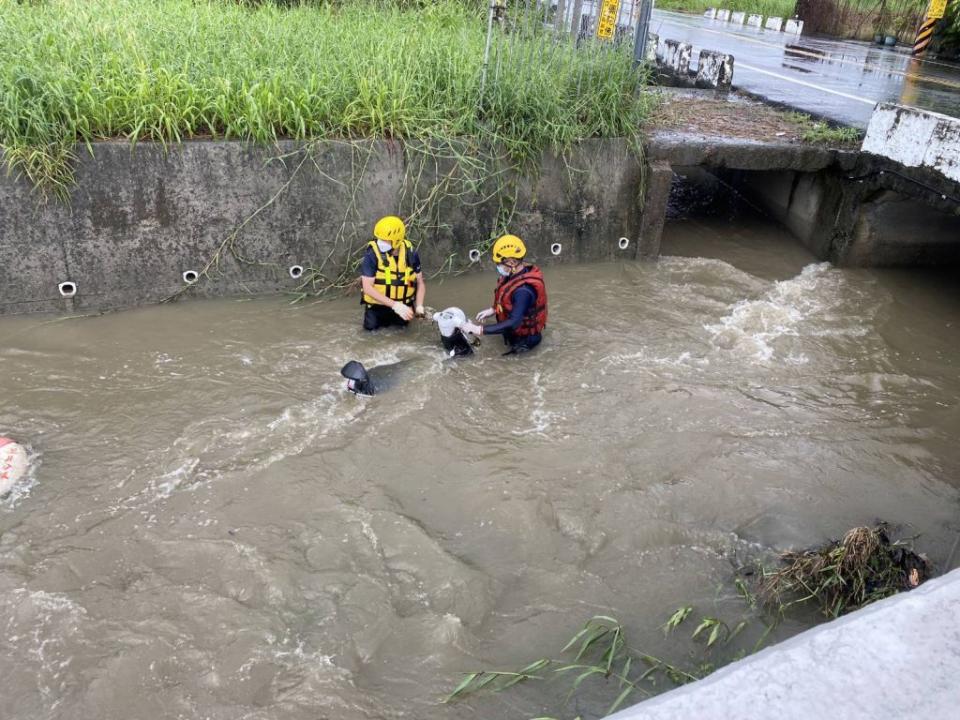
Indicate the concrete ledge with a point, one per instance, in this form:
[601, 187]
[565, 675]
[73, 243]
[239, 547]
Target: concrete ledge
[915, 138]
[738, 18]
[755, 21]
[897, 658]
[738, 154]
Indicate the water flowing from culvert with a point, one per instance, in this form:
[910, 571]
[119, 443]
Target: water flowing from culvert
[214, 528]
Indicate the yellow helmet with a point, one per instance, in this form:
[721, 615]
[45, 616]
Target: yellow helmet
[390, 229]
[508, 246]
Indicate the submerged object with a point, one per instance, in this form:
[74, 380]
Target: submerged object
[13, 464]
[375, 380]
[362, 381]
[454, 341]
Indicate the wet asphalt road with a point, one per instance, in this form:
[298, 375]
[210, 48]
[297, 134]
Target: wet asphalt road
[837, 79]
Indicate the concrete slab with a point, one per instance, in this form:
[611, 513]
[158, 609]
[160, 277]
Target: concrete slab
[915, 138]
[754, 21]
[897, 658]
[738, 18]
[773, 23]
[793, 27]
[714, 70]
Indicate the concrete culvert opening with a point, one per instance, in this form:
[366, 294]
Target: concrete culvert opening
[623, 243]
[474, 255]
[296, 271]
[556, 249]
[67, 289]
[867, 220]
[190, 277]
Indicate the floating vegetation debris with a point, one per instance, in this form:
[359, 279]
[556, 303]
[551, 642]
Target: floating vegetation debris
[599, 651]
[840, 576]
[844, 575]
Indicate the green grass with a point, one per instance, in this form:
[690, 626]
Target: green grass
[77, 71]
[817, 131]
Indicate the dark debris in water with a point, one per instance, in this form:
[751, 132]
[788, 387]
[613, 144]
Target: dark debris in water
[844, 575]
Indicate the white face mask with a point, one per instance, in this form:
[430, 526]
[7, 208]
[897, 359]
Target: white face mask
[503, 270]
[384, 246]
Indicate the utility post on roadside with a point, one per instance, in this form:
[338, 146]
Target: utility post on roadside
[935, 11]
[643, 32]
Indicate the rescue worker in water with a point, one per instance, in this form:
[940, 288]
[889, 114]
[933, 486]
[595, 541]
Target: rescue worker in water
[519, 301]
[390, 274]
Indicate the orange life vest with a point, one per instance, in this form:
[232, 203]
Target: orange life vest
[536, 318]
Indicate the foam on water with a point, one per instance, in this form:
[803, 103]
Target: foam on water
[22, 489]
[753, 327]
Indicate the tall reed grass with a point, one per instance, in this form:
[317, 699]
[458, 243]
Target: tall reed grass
[77, 71]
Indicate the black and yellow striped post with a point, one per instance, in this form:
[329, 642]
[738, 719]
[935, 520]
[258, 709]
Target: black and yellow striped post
[925, 33]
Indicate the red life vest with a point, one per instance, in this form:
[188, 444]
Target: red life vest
[536, 318]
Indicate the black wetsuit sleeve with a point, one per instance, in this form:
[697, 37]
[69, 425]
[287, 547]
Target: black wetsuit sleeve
[523, 300]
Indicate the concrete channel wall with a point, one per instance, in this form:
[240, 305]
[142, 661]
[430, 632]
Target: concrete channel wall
[896, 658]
[139, 218]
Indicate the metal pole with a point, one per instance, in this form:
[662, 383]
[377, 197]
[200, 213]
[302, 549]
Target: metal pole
[575, 22]
[643, 30]
[486, 49]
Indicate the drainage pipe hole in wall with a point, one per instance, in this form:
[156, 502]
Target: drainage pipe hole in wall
[474, 255]
[67, 289]
[190, 277]
[623, 243]
[296, 271]
[556, 249]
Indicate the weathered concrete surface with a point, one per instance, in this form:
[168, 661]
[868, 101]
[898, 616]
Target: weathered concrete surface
[793, 26]
[138, 218]
[683, 149]
[915, 138]
[673, 57]
[738, 18]
[658, 183]
[897, 658]
[773, 23]
[714, 70]
[844, 206]
[754, 20]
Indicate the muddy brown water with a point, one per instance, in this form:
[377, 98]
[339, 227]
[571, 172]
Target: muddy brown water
[214, 528]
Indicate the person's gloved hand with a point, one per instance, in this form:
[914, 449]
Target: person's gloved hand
[472, 328]
[484, 314]
[421, 312]
[404, 311]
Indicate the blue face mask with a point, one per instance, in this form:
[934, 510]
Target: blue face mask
[503, 270]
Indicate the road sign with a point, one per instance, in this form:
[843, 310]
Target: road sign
[607, 22]
[938, 9]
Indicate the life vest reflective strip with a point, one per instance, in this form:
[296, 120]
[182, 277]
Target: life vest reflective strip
[536, 318]
[394, 277]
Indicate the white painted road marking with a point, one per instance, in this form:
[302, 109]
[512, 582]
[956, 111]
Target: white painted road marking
[805, 84]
